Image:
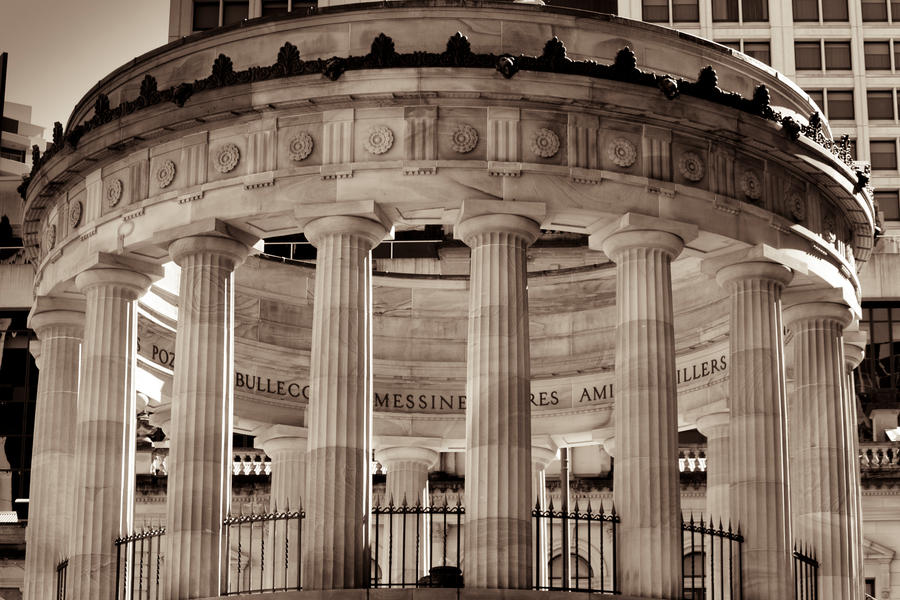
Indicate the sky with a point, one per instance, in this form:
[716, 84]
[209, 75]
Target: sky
[58, 49]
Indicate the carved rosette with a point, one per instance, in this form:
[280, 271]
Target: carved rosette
[691, 166]
[379, 139]
[75, 212]
[796, 206]
[622, 152]
[114, 192]
[300, 146]
[545, 143]
[751, 185]
[165, 174]
[464, 138]
[227, 158]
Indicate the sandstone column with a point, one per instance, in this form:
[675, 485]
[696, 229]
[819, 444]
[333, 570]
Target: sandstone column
[719, 559]
[59, 325]
[646, 478]
[286, 446]
[336, 553]
[854, 352]
[759, 473]
[498, 540]
[820, 471]
[199, 463]
[105, 422]
[407, 479]
[541, 456]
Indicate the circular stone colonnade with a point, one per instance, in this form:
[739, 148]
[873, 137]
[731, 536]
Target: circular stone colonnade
[704, 188]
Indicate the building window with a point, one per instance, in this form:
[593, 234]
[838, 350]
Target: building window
[889, 204]
[840, 105]
[12, 154]
[878, 56]
[656, 11]
[610, 7]
[9, 125]
[879, 370]
[874, 10]
[880, 103]
[806, 10]
[837, 56]
[818, 96]
[808, 56]
[273, 7]
[883, 154]
[870, 587]
[725, 10]
[685, 11]
[759, 50]
[835, 10]
[234, 11]
[206, 14]
[754, 10]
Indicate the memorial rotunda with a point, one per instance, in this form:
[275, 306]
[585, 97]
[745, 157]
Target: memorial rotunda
[510, 229]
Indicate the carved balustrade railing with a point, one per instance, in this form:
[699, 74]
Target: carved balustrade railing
[879, 455]
[250, 461]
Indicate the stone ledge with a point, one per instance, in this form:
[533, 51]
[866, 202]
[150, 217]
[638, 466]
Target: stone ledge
[427, 594]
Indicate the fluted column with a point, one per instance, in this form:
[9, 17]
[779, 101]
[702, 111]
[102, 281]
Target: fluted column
[339, 415]
[60, 327]
[406, 483]
[105, 422]
[646, 478]
[720, 563]
[854, 352]
[759, 473]
[541, 456]
[820, 469]
[286, 446]
[498, 540]
[199, 463]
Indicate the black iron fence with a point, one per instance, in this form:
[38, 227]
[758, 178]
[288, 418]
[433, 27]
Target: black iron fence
[61, 569]
[417, 546]
[580, 547]
[806, 573]
[139, 563]
[711, 562]
[263, 552]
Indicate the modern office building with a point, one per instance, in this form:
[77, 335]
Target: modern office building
[593, 260]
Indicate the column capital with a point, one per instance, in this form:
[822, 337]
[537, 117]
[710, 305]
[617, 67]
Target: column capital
[281, 438]
[804, 311]
[49, 311]
[231, 248]
[364, 218]
[517, 218]
[418, 454]
[854, 348]
[131, 274]
[762, 270]
[202, 232]
[542, 456]
[714, 425]
[634, 230]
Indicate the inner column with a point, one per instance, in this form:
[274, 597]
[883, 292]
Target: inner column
[336, 539]
[202, 397]
[646, 479]
[406, 481]
[822, 471]
[498, 540]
